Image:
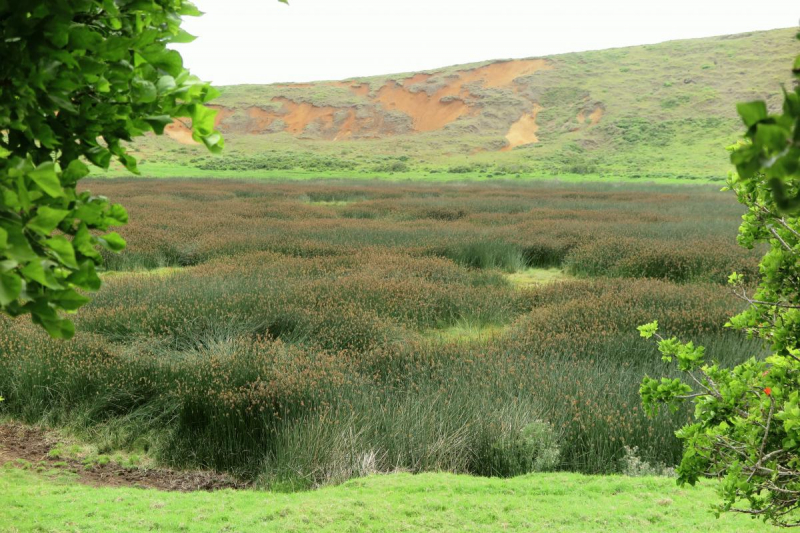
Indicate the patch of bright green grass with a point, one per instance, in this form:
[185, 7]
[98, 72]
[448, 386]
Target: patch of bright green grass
[397, 502]
[160, 272]
[533, 277]
[466, 332]
[168, 170]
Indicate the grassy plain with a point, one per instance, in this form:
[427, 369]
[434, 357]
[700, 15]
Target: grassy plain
[47, 502]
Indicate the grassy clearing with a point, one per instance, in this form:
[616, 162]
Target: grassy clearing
[397, 502]
[465, 331]
[534, 277]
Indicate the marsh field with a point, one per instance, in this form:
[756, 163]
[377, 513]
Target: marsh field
[300, 334]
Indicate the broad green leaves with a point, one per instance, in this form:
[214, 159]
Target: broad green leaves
[752, 112]
[79, 79]
[772, 153]
[46, 178]
[747, 418]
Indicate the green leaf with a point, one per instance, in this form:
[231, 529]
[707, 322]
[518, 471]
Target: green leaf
[19, 248]
[771, 136]
[99, 156]
[166, 84]
[183, 37]
[63, 249]
[85, 277]
[117, 215]
[84, 38]
[84, 243]
[46, 178]
[648, 330]
[46, 219]
[63, 104]
[56, 328]
[10, 287]
[752, 112]
[40, 272]
[143, 91]
[169, 61]
[214, 142]
[190, 10]
[202, 119]
[70, 300]
[112, 241]
[158, 123]
[75, 171]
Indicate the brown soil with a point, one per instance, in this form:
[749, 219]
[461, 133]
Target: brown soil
[258, 119]
[428, 112]
[179, 132]
[504, 73]
[299, 115]
[20, 443]
[596, 115]
[524, 130]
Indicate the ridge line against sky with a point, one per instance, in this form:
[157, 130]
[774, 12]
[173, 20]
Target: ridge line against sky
[264, 41]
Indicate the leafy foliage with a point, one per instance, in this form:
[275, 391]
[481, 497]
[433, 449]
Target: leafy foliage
[78, 79]
[747, 418]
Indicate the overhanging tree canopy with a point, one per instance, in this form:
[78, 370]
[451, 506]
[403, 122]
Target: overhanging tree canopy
[79, 78]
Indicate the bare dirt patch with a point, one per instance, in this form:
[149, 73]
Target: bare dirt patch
[523, 131]
[24, 445]
[596, 115]
[428, 112]
[178, 131]
[504, 73]
[430, 107]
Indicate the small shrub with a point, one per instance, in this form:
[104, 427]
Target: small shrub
[632, 465]
[512, 452]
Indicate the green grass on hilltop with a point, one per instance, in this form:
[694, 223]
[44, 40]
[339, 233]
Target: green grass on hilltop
[54, 502]
[676, 98]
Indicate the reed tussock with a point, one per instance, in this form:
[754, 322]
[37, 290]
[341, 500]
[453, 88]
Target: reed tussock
[297, 343]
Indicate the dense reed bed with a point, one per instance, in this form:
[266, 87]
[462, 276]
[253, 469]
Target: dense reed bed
[302, 340]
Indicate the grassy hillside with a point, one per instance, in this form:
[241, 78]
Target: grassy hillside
[656, 111]
[397, 502]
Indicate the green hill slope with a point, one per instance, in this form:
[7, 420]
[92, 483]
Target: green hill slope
[607, 113]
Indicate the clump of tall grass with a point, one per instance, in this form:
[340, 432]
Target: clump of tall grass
[488, 254]
[304, 346]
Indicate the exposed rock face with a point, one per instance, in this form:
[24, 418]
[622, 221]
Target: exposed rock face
[416, 103]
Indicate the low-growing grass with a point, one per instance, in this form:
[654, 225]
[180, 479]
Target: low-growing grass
[397, 502]
[407, 329]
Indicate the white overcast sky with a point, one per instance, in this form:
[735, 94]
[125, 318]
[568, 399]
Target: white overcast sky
[264, 41]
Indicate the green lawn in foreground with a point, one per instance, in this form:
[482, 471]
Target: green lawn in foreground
[397, 502]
